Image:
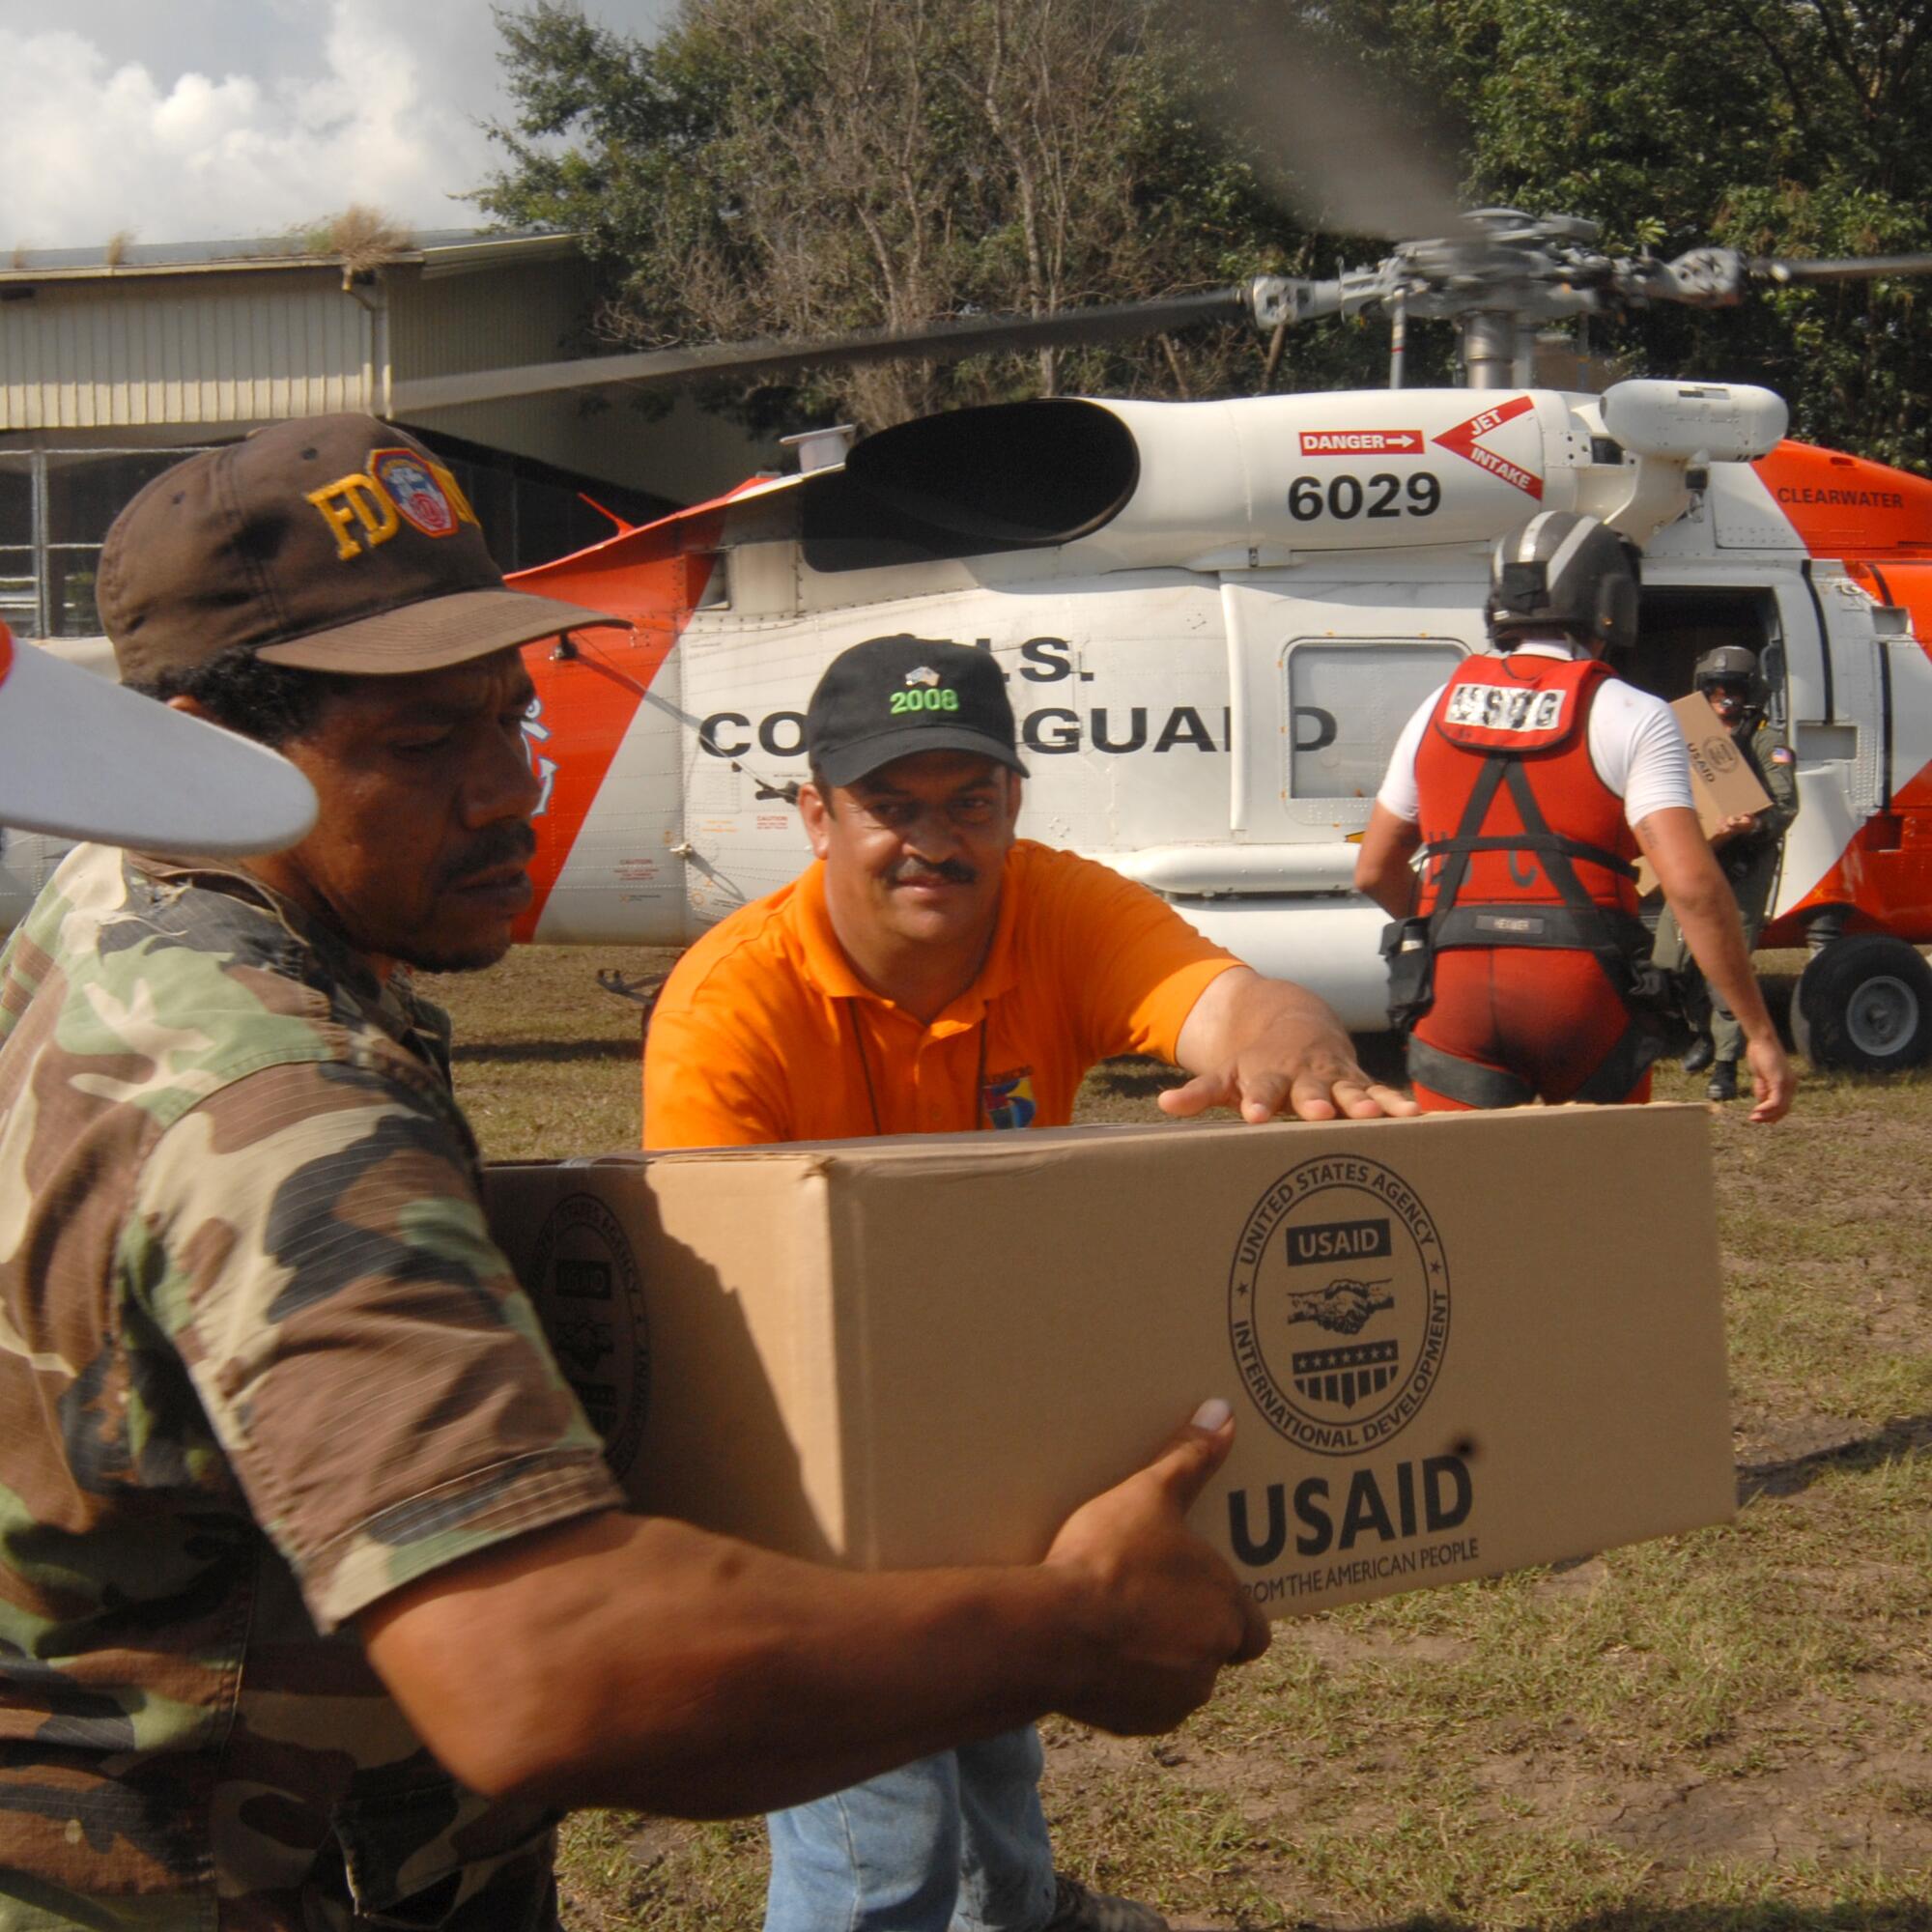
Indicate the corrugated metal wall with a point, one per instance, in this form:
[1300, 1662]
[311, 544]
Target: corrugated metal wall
[496, 319]
[153, 353]
[190, 350]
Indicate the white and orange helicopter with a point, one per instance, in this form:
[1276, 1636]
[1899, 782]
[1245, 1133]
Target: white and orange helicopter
[1215, 616]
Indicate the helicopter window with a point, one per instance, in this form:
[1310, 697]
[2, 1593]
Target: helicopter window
[1348, 705]
[1010, 477]
[1677, 625]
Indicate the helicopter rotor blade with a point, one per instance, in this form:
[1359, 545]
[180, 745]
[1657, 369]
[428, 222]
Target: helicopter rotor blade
[1852, 268]
[1321, 136]
[939, 342]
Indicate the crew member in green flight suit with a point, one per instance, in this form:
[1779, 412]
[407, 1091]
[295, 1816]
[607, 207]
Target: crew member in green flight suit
[1747, 847]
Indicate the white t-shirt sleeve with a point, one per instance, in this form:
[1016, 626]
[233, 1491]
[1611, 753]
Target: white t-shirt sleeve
[1399, 794]
[1635, 745]
[1638, 750]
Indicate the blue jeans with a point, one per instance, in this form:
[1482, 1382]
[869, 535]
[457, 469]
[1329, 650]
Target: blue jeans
[953, 1840]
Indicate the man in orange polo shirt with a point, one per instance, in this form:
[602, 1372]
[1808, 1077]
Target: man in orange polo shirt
[933, 974]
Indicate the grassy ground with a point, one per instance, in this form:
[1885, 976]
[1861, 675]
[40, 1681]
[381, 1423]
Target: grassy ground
[1725, 1731]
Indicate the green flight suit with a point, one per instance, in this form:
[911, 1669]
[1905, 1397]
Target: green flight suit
[1751, 864]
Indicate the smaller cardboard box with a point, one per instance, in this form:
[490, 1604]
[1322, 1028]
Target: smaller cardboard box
[1455, 1345]
[1723, 785]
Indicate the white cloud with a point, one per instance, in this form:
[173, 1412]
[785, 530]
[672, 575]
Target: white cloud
[254, 124]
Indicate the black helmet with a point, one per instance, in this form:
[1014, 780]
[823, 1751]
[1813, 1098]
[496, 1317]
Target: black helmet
[1563, 571]
[1732, 664]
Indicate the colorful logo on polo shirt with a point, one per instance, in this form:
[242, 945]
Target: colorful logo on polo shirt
[1006, 1100]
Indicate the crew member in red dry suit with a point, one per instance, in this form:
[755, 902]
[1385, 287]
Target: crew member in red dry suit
[1532, 780]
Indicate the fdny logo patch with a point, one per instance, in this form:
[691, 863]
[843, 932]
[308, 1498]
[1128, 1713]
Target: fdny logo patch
[366, 509]
[413, 491]
[1007, 1100]
[1490, 707]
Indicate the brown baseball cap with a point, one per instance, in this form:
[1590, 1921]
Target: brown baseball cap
[332, 543]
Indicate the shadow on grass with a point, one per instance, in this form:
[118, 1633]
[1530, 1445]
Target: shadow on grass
[549, 1051]
[1909, 1916]
[1135, 1079]
[1907, 1435]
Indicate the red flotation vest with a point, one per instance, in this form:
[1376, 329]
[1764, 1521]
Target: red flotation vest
[1527, 845]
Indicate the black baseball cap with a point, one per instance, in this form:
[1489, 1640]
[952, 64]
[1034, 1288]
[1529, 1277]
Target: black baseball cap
[892, 696]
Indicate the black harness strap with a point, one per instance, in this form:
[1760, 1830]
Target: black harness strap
[1466, 1080]
[1580, 924]
[1622, 1067]
[1449, 881]
[1561, 873]
[1553, 927]
[1592, 927]
[1542, 843]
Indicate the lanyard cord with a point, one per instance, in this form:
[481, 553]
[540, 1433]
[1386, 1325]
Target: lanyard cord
[872, 1092]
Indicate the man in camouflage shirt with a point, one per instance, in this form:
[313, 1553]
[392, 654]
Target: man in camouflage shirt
[317, 1602]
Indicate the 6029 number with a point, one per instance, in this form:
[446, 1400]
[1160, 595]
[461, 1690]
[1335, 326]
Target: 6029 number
[1383, 495]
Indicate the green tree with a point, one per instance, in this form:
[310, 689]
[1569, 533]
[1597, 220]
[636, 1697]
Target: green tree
[800, 169]
[805, 167]
[1794, 127]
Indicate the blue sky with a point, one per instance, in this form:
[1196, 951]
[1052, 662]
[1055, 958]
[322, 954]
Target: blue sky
[190, 120]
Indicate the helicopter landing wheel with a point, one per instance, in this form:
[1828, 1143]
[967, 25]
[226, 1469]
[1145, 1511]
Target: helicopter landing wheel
[1865, 1003]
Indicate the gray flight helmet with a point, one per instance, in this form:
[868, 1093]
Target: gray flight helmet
[1564, 571]
[1733, 663]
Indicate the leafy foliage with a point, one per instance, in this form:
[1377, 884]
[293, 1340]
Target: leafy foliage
[805, 167]
[1790, 127]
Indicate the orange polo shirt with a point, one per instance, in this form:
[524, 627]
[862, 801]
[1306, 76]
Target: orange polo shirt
[764, 1033]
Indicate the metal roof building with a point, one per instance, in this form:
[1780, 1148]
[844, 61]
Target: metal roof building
[115, 361]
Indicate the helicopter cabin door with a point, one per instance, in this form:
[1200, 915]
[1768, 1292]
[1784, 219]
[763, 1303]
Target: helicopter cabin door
[1839, 696]
[1322, 687]
[1321, 677]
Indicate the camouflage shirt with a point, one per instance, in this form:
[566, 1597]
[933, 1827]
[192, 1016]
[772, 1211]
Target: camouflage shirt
[260, 1364]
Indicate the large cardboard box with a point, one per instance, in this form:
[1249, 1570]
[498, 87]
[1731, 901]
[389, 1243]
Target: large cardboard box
[1723, 785]
[1454, 1345]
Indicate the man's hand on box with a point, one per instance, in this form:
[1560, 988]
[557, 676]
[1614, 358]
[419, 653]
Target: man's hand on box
[1165, 1612]
[1324, 1083]
[1268, 1047]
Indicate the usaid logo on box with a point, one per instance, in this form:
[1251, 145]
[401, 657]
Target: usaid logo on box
[584, 1269]
[1337, 1305]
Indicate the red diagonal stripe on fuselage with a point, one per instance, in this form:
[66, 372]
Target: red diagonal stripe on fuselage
[653, 577]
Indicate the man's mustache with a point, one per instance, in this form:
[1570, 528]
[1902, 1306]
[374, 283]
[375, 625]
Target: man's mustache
[511, 843]
[919, 872]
